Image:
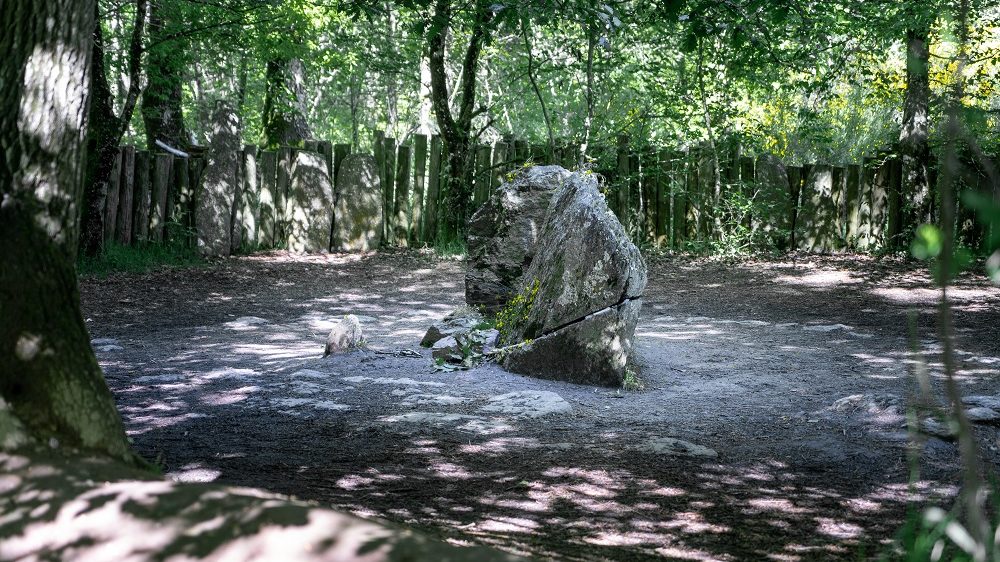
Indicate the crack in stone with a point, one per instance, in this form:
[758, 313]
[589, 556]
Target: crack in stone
[582, 318]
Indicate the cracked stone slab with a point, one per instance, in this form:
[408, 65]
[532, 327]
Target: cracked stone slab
[433, 399]
[478, 425]
[391, 381]
[309, 402]
[675, 447]
[528, 404]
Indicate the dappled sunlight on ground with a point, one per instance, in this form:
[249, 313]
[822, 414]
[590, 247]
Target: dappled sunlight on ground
[771, 424]
[95, 511]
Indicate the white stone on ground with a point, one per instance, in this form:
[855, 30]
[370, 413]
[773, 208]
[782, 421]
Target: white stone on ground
[826, 327]
[992, 402]
[390, 381]
[245, 323]
[309, 373]
[459, 422]
[527, 403]
[433, 399]
[677, 447]
[309, 402]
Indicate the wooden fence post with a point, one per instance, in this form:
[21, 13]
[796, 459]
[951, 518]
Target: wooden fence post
[268, 198]
[895, 204]
[650, 169]
[522, 153]
[707, 201]
[340, 152]
[497, 178]
[679, 198]
[433, 191]
[126, 195]
[663, 199]
[839, 200]
[818, 223]
[250, 214]
[111, 199]
[538, 154]
[748, 180]
[852, 203]
[161, 185]
[388, 189]
[879, 204]
[482, 176]
[693, 195]
[181, 225]
[402, 197]
[140, 218]
[796, 176]
[326, 149]
[284, 175]
[419, 187]
[621, 207]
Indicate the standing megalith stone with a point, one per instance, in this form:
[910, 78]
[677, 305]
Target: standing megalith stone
[357, 222]
[503, 235]
[309, 215]
[216, 194]
[580, 298]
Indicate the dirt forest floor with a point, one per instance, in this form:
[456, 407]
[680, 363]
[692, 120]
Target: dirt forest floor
[771, 426]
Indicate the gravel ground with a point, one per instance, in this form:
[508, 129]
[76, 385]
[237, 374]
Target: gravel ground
[771, 425]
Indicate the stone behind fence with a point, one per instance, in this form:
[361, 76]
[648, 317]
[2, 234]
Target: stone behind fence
[358, 215]
[664, 198]
[215, 197]
[310, 204]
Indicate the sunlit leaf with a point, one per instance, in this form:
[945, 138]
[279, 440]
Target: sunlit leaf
[927, 243]
[993, 267]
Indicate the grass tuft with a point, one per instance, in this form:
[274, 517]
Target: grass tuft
[138, 259]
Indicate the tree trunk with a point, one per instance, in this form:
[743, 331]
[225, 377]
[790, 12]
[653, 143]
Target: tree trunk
[913, 145]
[588, 122]
[456, 131]
[102, 145]
[713, 148]
[534, 86]
[285, 103]
[162, 112]
[49, 379]
[105, 130]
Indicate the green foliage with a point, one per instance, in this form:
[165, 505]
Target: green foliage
[138, 259]
[453, 248]
[927, 243]
[631, 381]
[925, 539]
[513, 316]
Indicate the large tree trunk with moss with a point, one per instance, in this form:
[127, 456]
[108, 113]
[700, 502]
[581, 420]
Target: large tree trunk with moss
[105, 130]
[913, 134]
[457, 130]
[50, 384]
[285, 103]
[162, 112]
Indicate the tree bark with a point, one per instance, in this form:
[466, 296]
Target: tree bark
[913, 133]
[456, 131]
[534, 86]
[49, 379]
[712, 146]
[162, 112]
[588, 122]
[105, 130]
[285, 103]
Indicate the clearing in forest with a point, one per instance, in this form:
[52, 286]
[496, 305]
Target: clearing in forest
[770, 425]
